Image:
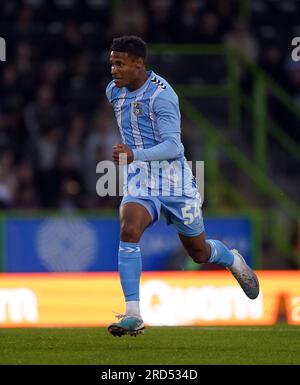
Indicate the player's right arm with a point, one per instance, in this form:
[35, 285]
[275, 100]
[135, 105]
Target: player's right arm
[109, 90]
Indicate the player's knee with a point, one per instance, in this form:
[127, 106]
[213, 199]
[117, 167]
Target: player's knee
[199, 255]
[130, 232]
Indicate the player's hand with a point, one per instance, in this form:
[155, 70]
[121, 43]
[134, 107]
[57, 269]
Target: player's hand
[122, 154]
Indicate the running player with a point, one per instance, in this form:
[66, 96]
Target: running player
[147, 112]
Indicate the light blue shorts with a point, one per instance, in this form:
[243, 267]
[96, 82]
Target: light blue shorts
[184, 212]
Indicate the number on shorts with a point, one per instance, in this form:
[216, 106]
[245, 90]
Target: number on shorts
[190, 212]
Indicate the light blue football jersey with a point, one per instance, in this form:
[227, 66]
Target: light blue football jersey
[136, 112]
[147, 117]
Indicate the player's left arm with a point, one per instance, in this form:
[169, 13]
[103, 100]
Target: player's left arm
[167, 115]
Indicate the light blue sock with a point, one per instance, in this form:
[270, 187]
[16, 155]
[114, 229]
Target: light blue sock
[219, 253]
[130, 269]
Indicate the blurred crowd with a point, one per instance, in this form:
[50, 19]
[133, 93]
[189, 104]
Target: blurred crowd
[55, 124]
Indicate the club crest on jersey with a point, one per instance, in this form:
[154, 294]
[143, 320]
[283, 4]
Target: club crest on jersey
[137, 108]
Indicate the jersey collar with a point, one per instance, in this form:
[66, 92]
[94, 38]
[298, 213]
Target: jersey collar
[150, 75]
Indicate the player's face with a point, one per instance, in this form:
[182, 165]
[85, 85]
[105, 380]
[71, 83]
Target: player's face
[124, 69]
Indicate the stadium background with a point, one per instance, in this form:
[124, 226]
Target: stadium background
[230, 62]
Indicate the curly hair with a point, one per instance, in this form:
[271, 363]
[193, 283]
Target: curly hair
[133, 45]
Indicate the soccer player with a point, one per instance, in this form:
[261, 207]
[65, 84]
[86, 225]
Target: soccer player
[147, 112]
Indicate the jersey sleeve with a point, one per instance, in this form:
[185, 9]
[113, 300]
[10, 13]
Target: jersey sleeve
[167, 115]
[109, 90]
[166, 110]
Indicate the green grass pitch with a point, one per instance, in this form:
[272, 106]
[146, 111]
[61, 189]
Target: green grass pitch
[159, 345]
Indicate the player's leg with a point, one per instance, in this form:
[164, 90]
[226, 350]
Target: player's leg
[134, 219]
[214, 251]
[206, 251]
[185, 213]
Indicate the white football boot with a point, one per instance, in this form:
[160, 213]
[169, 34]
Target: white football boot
[128, 325]
[244, 275]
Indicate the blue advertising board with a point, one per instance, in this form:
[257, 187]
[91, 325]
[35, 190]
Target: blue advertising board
[82, 244]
